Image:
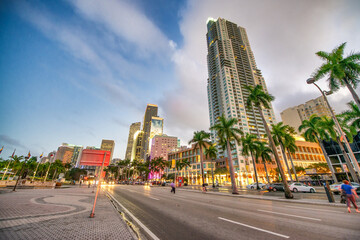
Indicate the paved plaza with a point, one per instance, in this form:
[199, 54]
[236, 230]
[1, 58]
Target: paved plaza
[59, 214]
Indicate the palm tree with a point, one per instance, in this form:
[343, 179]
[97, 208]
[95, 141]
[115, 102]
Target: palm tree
[16, 160]
[227, 132]
[341, 71]
[264, 152]
[211, 152]
[352, 116]
[201, 140]
[179, 165]
[291, 148]
[250, 146]
[260, 99]
[313, 132]
[280, 135]
[328, 125]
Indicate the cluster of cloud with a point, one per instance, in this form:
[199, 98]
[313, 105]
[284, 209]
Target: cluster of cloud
[125, 47]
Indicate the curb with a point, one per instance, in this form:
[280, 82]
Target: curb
[269, 199]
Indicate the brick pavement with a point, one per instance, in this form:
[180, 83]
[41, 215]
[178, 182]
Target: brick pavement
[59, 214]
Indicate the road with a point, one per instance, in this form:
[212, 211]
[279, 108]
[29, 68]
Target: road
[193, 215]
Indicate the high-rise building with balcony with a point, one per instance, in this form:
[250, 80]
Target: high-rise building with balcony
[231, 67]
[294, 116]
[150, 112]
[108, 145]
[134, 127]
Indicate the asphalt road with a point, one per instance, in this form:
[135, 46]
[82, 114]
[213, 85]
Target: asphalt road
[191, 215]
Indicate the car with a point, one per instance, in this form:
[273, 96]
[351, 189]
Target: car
[336, 187]
[300, 187]
[276, 187]
[253, 185]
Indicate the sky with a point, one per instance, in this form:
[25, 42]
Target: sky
[79, 71]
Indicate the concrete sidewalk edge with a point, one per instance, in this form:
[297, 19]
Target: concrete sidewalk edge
[268, 198]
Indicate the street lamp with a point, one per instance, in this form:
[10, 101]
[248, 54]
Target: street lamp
[342, 135]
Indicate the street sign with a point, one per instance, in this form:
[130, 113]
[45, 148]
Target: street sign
[92, 157]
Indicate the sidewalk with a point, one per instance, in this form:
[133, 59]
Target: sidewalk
[59, 214]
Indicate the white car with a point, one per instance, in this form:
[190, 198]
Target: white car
[253, 186]
[299, 187]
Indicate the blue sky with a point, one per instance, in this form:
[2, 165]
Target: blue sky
[81, 71]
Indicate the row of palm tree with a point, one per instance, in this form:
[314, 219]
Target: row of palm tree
[32, 168]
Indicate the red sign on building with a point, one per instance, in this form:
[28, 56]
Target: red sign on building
[92, 157]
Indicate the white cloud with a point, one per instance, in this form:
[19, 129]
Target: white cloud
[127, 22]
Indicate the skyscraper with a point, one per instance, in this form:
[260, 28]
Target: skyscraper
[108, 145]
[134, 127]
[151, 111]
[231, 67]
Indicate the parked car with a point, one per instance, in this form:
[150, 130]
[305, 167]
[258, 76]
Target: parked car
[336, 187]
[276, 187]
[253, 186]
[300, 187]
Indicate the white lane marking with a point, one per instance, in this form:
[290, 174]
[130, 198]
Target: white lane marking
[259, 229]
[135, 219]
[315, 219]
[324, 210]
[154, 198]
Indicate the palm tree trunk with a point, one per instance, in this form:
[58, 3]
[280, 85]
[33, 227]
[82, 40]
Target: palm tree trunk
[293, 167]
[348, 162]
[286, 162]
[256, 176]
[353, 93]
[231, 166]
[212, 173]
[287, 191]
[327, 159]
[202, 165]
[267, 175]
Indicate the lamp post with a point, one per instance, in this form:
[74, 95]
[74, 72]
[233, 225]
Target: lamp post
[342, 135]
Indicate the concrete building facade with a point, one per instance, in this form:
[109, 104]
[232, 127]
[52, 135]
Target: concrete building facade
[231, 67]
[108, 145]
[161, 145]
[294, 116]
[151, 111]
[134, 127]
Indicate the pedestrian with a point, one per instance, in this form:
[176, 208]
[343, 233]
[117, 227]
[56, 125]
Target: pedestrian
[350, 195]
[172, 187]
[204, 188]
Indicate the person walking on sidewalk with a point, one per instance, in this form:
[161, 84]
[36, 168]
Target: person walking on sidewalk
[204, 188]
[350, 195]
[172, 187]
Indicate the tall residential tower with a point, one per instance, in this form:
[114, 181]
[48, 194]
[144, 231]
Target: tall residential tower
[150, 112]
[134, 127]
[231, 67]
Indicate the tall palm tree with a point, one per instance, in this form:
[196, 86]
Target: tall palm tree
[328, 125]
[250, 146]
[227, 132]
[201, 140]
[291, 148]
[341, 71]
[260, 99]
[263, 152]
[280, 135]
[211, 152]
[314, 132]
